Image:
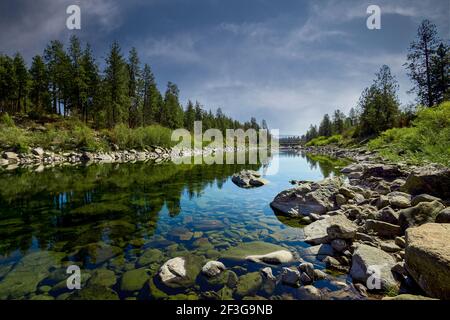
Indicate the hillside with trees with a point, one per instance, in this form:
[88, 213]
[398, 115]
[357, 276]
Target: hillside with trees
[379, 117]
[67, 87]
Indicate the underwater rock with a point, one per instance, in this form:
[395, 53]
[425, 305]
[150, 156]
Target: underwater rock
[102, 277]
[213, 268]
[244, 250]
[248, 284]
[150, 256]
[134, 280]
[276, 257]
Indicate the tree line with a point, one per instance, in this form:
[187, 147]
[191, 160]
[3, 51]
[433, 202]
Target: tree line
[69, 83]
[378, 109]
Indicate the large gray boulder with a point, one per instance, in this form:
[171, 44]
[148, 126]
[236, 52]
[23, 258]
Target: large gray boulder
[427, 258]
[313, 197]
[422, 213]
[373, 264]
[430, 180]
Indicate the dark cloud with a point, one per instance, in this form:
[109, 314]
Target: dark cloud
[286, 61]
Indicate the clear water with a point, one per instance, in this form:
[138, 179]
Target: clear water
[111, 218]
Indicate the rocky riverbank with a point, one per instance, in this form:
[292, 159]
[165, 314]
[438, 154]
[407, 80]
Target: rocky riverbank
[386, 225]
[39, 159]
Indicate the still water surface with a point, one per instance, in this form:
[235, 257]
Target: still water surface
[120, 223]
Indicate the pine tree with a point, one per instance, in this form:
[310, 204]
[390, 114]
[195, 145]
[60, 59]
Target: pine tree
[135, 88]
[173, 112]
[39, 95]
[419, 62]
[440, 78]
[22, 82]
[116, 86]
[189, 116]
[92, 82]
[338, 121]
[326, 128]
[152, 100]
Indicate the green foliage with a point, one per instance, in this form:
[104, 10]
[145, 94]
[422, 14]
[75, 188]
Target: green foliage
[140, 138]
[427, 140]
[7, 120]
[323, 141]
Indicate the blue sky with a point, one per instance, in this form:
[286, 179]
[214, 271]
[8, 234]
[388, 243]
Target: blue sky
[288, 62]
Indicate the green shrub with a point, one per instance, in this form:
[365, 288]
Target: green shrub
[140, 138]
[323, 141]
[427, 140]
[6, 120]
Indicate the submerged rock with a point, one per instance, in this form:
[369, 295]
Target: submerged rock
[181, 272]
[134, 280]
[290, 276]
[248, 284]
[248, 179]
[246, 249]
[276, 257]
[427, 258]
[213, 268]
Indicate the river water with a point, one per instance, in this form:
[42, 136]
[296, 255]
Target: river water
[120, 222]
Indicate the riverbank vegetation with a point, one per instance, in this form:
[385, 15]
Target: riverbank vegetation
[417, 132]
[64, 101]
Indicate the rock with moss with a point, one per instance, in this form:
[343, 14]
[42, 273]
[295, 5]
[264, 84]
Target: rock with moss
[402, 297]
[134, 280]
[430, 180]
[24, 278]
[150, 256]
[94, 293]
[422, 213]
[248, 284]
[102, 277]
[181, 271]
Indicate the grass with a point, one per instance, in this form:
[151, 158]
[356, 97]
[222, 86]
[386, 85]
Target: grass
[323, 141]
[67, 134]
[428, 140]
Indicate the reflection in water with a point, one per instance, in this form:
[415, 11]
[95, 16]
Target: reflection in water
[120, 223]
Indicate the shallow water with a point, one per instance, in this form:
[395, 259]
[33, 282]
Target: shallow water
[120, 223]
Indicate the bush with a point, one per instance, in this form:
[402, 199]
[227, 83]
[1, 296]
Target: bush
[427, 140]
[6, 120]
[140, 138]
[323, 141]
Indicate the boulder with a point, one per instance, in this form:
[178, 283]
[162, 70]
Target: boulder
[309, 292]
[12, 157]
[402, 297]
[443, 216]
[317, 197]
[399, 199]
[422, 213]
[383, 229]
[290, 276]
[333, 227]
[172, 269]
[339, 245]
[267, 273]
[38, 152]
[387, 214]
[354, 167]
[423, 198]
[213, 268]
[318, 252]
[134, 280]
[248, 179]
[246, 249]
[341, 228]
[372, 262]
[248, 284]
[383, 171]
[427, 258]
[276, 257]
[430, 180]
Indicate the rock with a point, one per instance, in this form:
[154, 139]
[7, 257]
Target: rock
[24, 278]
[213, 268]
[340, 199]
[318, 252]
[172, 269]
[339, 245]
[427, 258]
[181, 272]
[317, 232]
[102, 277]
[309, 292]
[422, 213]
[387, 214]
[38, 151]
[399, 199]
[341, 228]
[150, 256]
[99, 252]
[267, 273]
[307, 268]
[383, 171]
[400, 241]
[443, 216]
[246, 249]
[346, 192]
[332, 263]
[290, 276]
[277, 257]
[368, 261]
[94, 293]
[134, 280]
[383, 201]
[248, 179]
[355, 167]
[318, 198]
[389, 246]
[383, 229]
[424, 198]
[12, 157]
[305, 279]
[319, 274]
[248, 284]
[407, 297]
[429, 180]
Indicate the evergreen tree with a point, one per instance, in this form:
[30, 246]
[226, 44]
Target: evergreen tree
[338, 121]
[152, 100]
[173, 112]
[326, 127]
[92, 83]
[39, 94]
[22, 82]
[135, 88]
[189, 116]
[419, 62]
[440, 79]
[116, 86]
